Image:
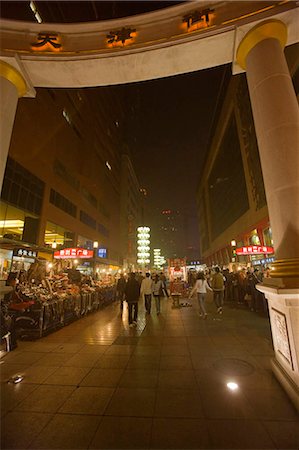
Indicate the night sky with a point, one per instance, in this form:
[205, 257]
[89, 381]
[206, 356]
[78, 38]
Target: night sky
[170, 125]
[169, 120]
[169, 133]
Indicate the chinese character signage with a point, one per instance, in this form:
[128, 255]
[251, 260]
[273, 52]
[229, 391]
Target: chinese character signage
[120, 37]
[68, 253]
[25, 253]
[254, 250]
[46, 41]
[177, 262]
[198, 19]
[102, 252]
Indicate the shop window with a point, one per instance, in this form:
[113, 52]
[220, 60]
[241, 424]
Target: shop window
[88, 220]
[268, 240]
[103, 230]
[17, 225]
[228, 196]
[61, 171]
[89, 197]
[254, 239]
[5, 263]
[84, 242]
[63, 203]
[21, 188]
[30, 230]
[57, 236]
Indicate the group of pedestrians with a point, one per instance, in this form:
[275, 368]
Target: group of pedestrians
[145, 287]
[229, 286]
[239, 287]
[201, 287]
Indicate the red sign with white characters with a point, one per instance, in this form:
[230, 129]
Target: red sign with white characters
[254, 250]
[67, 253]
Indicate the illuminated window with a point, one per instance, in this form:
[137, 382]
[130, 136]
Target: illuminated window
[57, 236]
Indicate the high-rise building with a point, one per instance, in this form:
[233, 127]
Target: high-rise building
[131, 211]
[62, 184]
[232, 204]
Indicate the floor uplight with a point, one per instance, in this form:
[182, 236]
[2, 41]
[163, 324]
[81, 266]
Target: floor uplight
[232, 386]
[16, 379]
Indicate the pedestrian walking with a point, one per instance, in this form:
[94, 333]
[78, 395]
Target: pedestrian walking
[120, 291]
[201, 287]
[146, 290]
[157, 288]
[164, 287]
[132, 293]
[217, 285]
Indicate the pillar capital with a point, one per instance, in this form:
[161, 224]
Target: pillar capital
[287, 270]
[269, 29]
[11, 74]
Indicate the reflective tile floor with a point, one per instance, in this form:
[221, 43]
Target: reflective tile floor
[98, 384]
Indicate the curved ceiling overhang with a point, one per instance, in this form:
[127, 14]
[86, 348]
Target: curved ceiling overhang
[180, 39]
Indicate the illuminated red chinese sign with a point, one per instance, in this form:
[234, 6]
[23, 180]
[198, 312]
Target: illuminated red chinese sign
[177, 262]
[67, 253]
[254, 250]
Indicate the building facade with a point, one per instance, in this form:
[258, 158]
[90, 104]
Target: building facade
[231, 199]
[62, 183]
[131, 212]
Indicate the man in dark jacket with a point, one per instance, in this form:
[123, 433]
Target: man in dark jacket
[120, 291]
[132, 293]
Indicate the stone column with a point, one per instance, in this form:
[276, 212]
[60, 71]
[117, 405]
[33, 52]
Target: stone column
[276, 117]
[12, 86]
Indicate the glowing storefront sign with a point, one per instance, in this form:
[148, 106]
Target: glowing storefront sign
[254, 250]
[68, 253]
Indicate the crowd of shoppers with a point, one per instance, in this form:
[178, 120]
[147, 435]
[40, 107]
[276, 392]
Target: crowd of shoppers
[137, 286]
[237, 286]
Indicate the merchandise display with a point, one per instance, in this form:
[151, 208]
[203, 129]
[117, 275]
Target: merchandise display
[53, 302]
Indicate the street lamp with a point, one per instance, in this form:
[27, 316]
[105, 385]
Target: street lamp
[233, 245]
[95, 246]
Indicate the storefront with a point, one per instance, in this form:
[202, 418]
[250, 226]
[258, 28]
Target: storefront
[22, 258]
[75, 258]
[177, 269]
[258, 255]
[5, 263]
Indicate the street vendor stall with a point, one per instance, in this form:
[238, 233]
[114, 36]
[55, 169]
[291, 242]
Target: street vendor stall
[177, 268]
[40, 308]
[178, 277]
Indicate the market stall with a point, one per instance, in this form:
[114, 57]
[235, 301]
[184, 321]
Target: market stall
[39, 309]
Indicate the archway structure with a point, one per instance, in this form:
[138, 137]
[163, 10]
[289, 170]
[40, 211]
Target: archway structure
[181, 39]
[171, 41]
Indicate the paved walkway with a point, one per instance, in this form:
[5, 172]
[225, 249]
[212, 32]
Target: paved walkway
[97, 384]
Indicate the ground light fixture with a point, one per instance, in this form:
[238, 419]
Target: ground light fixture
[16, 379]
[232, 386]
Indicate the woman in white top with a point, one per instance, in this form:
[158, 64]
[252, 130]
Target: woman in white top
[201, 287]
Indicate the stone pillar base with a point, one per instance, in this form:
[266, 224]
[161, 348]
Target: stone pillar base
[284, 317]
[287, 383]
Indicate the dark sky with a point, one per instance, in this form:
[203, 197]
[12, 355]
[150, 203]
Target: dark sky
[169, 120]
[169, 133]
